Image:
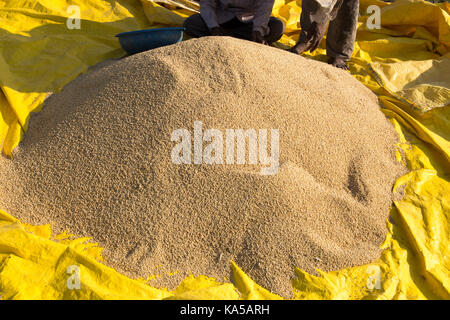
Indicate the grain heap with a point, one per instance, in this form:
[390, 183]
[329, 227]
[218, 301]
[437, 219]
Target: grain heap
[97, 162]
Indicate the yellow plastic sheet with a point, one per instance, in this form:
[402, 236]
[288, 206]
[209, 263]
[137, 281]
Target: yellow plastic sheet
[405, 62]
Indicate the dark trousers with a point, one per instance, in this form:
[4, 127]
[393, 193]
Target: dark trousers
[196, 28]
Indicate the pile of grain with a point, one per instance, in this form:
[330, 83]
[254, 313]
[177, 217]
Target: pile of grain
[96, 161]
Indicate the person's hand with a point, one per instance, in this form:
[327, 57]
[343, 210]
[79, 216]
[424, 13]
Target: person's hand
[312, 38]
[258, 37]
[315, 35]
[217, 31]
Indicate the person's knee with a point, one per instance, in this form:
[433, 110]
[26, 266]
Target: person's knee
[189, 25]
[276, 28]
[195, 26]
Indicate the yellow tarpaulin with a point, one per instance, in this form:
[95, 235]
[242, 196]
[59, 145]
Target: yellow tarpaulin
[405, 62]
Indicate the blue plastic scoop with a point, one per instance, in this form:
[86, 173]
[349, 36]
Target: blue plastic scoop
[142, 40]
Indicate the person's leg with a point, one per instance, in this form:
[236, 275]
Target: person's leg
[195, 26]
[244, 30]
[238, 29]
[342, 34]
[276, 30]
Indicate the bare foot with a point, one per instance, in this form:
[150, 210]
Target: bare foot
[338, 63]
